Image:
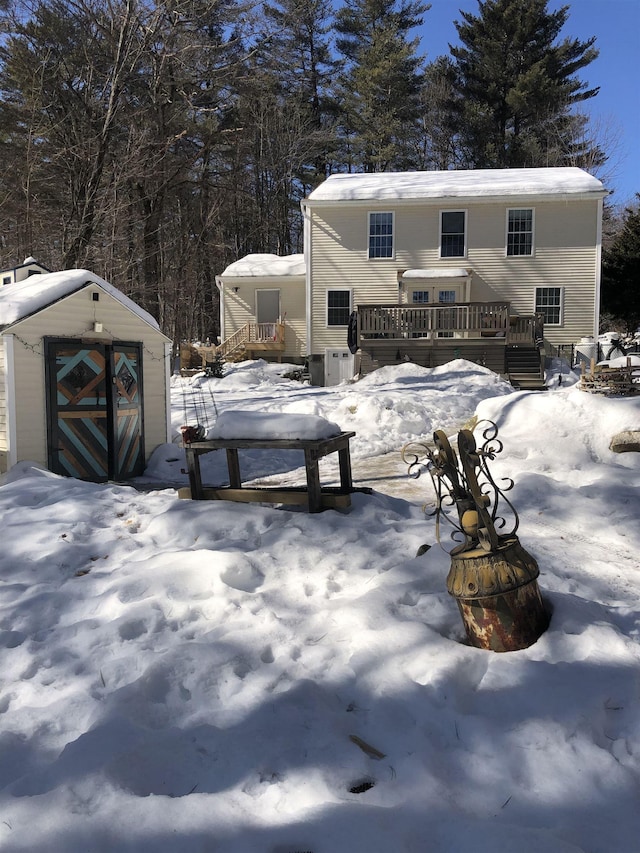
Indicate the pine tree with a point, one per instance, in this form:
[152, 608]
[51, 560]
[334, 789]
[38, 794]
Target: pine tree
[287, 126]
[300, 53]
[438, 144]
[379, 89]
[621, 272]
[518, 85]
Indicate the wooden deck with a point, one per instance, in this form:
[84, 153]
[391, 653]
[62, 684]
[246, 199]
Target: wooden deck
[433, 335]
[429, 322]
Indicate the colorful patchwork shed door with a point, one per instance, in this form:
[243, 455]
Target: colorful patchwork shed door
[95, 410]
[126, 384]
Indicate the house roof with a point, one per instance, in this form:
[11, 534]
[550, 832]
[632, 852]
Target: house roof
[469, 183]
[266, 265]
[28, 262]
[24, 298]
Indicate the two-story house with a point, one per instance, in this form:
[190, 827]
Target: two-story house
[487, 265]
[440, 265]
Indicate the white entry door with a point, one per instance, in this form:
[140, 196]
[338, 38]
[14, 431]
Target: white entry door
[267, 313]
[338, 366]
[267, 306]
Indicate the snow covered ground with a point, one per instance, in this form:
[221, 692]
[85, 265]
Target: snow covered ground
[181, 676]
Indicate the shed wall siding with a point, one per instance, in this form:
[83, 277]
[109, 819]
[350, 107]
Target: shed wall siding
[565, 255]
[3, 408]
[73, 317]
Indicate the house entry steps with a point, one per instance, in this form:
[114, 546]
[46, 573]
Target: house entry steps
[525, 368]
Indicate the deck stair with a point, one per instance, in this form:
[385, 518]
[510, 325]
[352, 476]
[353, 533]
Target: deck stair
[253, 340]
[525, 368]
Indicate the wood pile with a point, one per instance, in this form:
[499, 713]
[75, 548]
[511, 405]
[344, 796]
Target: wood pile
[611, 380]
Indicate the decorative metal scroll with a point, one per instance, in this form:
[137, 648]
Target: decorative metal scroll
[463, 480]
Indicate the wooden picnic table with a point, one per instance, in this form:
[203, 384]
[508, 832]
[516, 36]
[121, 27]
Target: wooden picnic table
[314, 495]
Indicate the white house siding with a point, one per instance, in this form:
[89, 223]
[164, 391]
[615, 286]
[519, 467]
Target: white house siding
[294, 309]
[339, 260]
[73, 317]
[565, 255]
[240, 308]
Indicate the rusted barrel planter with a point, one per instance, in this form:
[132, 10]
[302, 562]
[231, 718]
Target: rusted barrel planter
[498, 596]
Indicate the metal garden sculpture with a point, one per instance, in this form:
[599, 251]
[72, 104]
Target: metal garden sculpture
[492, 577]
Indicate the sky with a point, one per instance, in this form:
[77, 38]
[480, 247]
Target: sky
[616, 24]
[214, 676]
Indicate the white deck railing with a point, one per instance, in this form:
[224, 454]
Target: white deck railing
[469, 319]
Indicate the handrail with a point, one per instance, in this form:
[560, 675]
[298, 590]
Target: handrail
[252, 333]
[235, 341]
[527, 329]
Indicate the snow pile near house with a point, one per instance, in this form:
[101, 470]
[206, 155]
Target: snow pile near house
[195, 676]
[387, 409]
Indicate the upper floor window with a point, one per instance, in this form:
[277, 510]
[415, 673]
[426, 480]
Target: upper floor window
[520, 231]
[338, 307]
[380, 235]
[549, 304]
[453, 234]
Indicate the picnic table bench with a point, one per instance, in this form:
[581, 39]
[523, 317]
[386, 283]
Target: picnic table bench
[316, 497]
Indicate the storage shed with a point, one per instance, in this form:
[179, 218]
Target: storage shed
[84, 377]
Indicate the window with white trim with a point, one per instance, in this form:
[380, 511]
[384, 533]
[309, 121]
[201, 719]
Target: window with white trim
[447, 296]
[549, 304]
[520, 231]
[380, 235]
[420, 296]
[453, 237]
[338, 307]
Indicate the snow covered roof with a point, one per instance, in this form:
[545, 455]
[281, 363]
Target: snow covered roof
[25, 298]
[470, 183]
[454, 272]
[266, 265]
